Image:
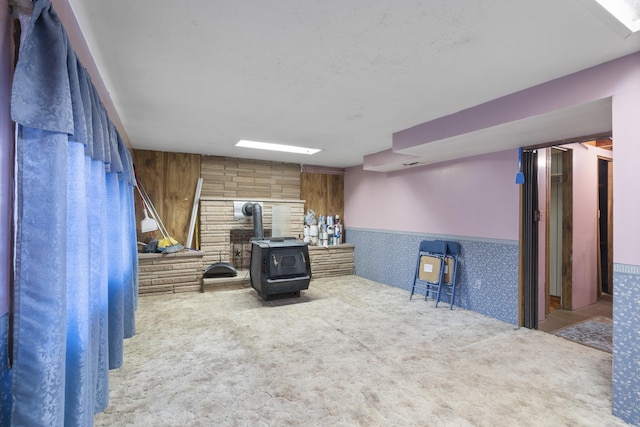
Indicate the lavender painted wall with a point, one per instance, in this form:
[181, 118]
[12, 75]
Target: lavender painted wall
[626, 173]
[588, 85]
[6, 158]
[475, 197]
[626, 232]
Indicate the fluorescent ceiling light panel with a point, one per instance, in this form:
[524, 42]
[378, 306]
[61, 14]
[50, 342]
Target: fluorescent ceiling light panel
[625, 11]
[276, 147]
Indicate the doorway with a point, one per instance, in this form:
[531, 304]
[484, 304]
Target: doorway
[559, 216]
[574, 271]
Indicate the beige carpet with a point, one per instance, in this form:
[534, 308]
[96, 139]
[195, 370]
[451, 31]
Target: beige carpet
[348, 352]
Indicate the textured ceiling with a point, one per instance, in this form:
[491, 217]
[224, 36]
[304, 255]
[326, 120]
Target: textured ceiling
[343, 76]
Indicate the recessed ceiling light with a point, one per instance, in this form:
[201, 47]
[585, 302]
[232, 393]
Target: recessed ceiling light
[276, 147]
[627, 12]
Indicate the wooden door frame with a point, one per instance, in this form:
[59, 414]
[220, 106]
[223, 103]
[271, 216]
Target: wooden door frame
[609, 214]
[567, 230]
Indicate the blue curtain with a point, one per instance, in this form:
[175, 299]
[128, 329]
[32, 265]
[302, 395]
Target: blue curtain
[76, 283]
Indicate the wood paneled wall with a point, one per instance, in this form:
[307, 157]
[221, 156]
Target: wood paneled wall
[323, 193]
[170, 180]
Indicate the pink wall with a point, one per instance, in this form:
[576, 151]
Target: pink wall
[626, 169]
[585, 86]
[6, 158]
[473, 197]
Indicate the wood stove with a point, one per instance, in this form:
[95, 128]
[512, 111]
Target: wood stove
[280, 267]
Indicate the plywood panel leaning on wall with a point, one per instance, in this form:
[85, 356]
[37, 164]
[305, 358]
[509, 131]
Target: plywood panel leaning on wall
[335, 194]
[181, 173]
[313, 190]
[149, 166]
[323, 193]
[170, 179]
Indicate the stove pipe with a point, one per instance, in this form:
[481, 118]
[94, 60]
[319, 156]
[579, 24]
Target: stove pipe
[255, 210]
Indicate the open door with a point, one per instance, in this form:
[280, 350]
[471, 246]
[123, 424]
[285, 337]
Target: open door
[554, 246]
[530, 215]
[560, 247]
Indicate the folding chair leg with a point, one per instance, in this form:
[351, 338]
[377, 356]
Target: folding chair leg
[453, 296]
[438, 295]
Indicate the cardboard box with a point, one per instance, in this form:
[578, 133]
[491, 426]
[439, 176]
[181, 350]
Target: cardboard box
[448, 270]
[429, 269]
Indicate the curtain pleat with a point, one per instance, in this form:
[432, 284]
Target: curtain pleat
[129, 259]
[76, 265]
[99, 281]
[78, 390]
[40, 295]
[114, 268]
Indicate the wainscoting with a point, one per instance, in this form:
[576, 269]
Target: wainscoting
[487, 275]
[626, 348]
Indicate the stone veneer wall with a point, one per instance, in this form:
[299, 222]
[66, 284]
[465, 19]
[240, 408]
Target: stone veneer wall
[332, 261]
[225, 179]
[217, 221]
[170, 273]
[228, 177]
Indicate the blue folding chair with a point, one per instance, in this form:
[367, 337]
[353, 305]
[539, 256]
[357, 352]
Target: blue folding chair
[451, 270]
[430, 268]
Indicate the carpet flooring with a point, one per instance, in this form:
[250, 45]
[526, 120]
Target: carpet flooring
[348, 352]
[596, 332]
